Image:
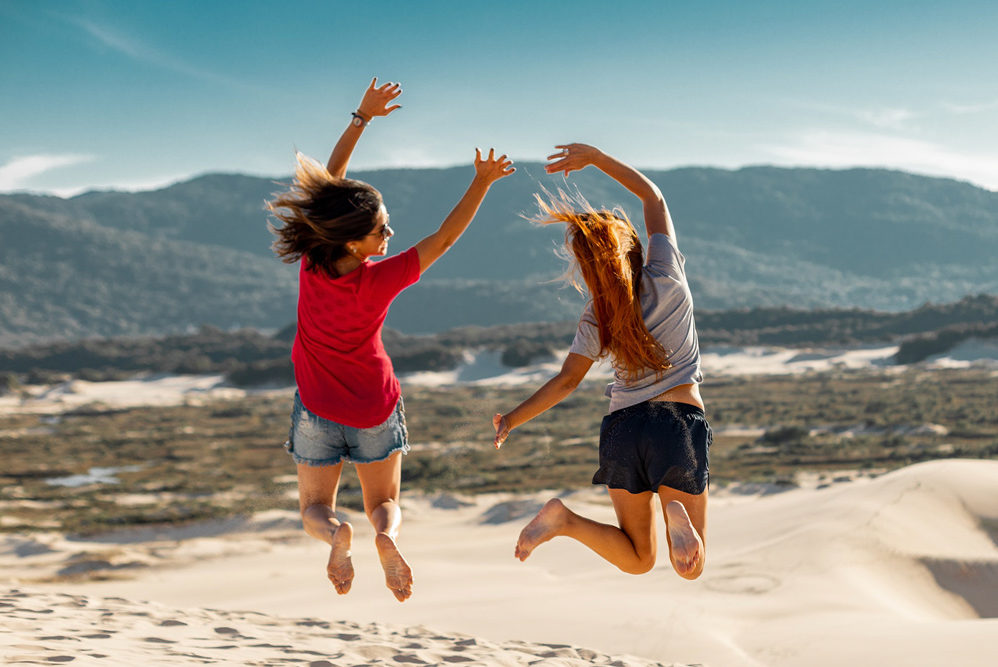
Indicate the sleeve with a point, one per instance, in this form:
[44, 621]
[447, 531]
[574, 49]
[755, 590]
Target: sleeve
[392, 275]
[586, 341]
[664, 256]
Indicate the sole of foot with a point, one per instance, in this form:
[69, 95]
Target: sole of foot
[339, 569]
[686, 550]
[398, 574]
[542, 528]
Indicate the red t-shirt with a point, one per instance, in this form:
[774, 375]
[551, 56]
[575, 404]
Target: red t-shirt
[341, 367]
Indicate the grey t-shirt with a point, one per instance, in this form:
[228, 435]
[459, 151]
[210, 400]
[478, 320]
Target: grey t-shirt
[667, 307]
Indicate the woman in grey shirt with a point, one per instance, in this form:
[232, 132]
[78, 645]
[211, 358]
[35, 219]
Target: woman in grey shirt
[655, 440]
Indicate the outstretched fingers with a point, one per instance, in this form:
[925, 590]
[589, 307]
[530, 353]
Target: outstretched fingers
[491, 167]
[570, 157]
[377, 98]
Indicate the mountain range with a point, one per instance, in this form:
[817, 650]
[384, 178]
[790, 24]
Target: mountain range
[198, 252]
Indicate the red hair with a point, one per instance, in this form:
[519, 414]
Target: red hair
[605, 250]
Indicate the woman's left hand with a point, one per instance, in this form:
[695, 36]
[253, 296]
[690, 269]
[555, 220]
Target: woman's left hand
[492, 168]
[502, 429]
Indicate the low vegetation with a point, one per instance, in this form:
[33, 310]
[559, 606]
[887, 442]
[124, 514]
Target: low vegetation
[225, 458]
[248, 357]
[921, 347]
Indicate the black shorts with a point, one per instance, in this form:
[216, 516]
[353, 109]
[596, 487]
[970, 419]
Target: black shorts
[653, 444]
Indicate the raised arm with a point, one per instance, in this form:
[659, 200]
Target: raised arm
[553, 392]
[374, 103]
[578, 156]
[487, 171]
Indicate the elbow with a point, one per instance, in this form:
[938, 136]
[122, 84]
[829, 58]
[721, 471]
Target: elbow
[444, 242]
[568, 383]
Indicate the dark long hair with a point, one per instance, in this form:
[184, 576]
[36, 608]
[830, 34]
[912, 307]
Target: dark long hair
[604, 248]
[321, 214]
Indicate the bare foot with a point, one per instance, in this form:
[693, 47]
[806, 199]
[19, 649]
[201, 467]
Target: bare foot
[686, 547]
[340, 567]
[547, 524]
[398, 576]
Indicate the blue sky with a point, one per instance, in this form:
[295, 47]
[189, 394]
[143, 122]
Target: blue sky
[133, 95]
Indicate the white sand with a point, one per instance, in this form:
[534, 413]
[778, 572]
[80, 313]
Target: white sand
[484, 368]
[901, 569]
[159, 390]
[971, 352]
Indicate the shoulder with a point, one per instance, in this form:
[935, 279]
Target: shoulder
[587, 341]
[398, 262]
[398, 271]
[664, 255]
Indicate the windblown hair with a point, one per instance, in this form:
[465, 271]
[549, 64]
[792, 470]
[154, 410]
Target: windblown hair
[321, 213]
[604, 249]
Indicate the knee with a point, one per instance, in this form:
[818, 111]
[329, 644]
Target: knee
[313, 509]
[386, 504]
[643, 564]
[315, 514]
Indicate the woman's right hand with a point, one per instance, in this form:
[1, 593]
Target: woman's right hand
[502, 429]
[376, 99]
[572, 157]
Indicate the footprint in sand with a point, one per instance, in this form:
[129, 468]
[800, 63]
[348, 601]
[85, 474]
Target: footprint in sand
[743, 584]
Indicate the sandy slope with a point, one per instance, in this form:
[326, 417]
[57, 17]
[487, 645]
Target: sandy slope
[47, 628]
[901, 569]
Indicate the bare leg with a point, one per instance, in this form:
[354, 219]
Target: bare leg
[631, 547]
[381, 485]
[317, 486]
[686, 523]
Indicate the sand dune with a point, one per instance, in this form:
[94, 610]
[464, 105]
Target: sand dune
[899, 569]
[48, 628]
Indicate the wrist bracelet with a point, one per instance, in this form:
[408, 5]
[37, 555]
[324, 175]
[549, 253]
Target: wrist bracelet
[359, 120]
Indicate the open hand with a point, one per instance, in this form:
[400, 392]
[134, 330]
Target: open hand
[491, 169]
[376, 99]
[502, 429]
[571, 158]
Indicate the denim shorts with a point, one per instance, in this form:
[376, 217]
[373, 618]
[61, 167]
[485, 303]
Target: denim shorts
[320, 442]
[653, 444]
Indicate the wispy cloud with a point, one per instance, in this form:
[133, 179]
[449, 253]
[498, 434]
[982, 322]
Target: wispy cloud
[119, 185]
[885, 118]
[881, 117]
[823, 148]
[17, 173]
[964, 109]
[137, 50]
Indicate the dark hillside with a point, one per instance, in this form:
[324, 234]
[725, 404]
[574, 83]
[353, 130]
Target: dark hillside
[198, 252]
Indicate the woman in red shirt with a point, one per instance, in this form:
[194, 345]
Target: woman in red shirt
[348, 406]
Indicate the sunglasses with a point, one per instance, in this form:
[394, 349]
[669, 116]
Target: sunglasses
[384, 231]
